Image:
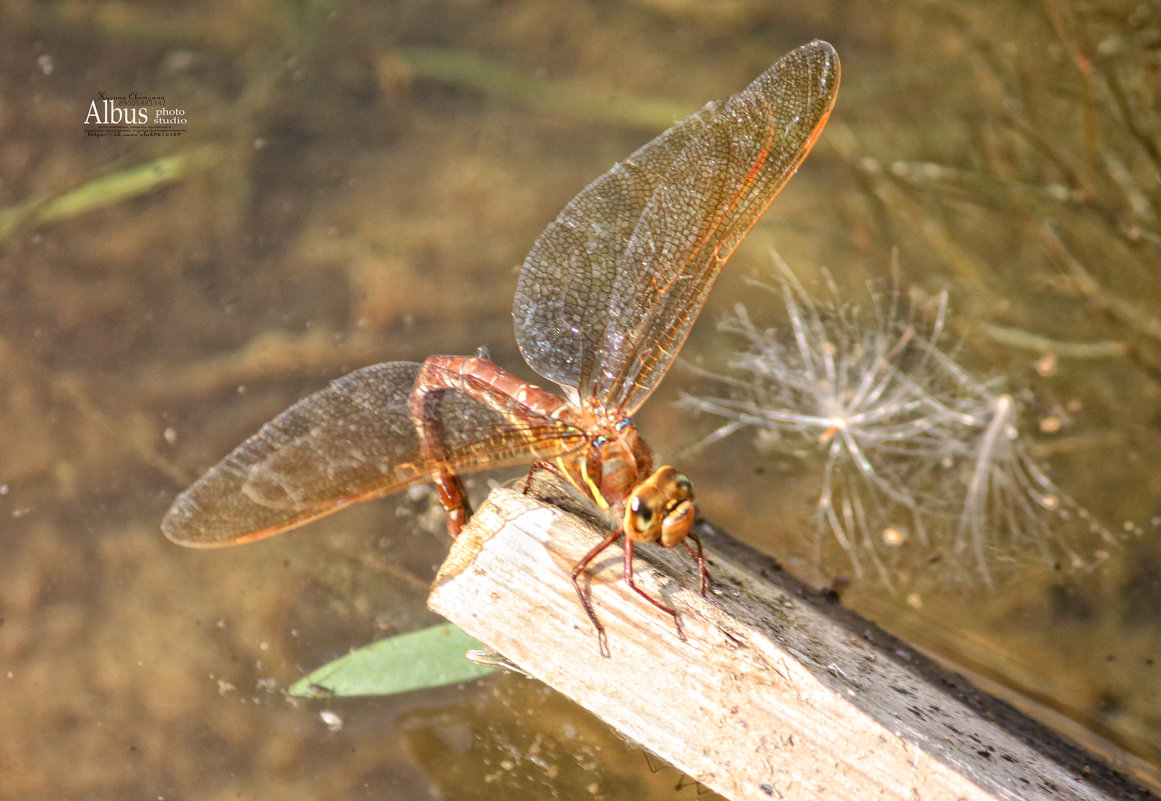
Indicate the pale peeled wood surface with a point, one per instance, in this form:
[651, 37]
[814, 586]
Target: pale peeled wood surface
[776, 692]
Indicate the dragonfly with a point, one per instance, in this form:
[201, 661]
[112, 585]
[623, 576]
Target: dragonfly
[604, 302]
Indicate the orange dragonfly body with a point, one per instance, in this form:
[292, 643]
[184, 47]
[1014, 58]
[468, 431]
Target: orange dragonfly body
[603, 303]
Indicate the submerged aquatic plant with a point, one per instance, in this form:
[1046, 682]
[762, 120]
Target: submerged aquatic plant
[913, 448]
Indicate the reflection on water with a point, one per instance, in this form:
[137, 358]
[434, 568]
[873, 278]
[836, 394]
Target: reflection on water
[337, 206]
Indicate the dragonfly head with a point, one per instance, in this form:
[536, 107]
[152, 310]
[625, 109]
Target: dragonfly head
[660, 509]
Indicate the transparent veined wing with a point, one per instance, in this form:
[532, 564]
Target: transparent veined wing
[611, 288]
[353, 441]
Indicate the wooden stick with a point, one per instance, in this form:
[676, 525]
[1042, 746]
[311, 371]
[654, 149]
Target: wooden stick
[775, 692]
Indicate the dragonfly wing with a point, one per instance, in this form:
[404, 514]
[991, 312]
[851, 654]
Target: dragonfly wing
[713, 192]
[353, 441]
[566, 284]
[612, 287]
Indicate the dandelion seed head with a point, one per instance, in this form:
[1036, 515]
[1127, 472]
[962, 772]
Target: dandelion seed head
[909, 446]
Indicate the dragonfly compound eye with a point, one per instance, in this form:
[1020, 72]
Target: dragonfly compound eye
[661, 509]
[643, 514]
[677, 522]
[669, 496]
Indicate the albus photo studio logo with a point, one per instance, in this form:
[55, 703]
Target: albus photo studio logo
[133, 115]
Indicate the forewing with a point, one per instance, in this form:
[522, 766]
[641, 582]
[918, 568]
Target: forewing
[353, 441]
[612, 287]
[565, 286]
[712, 193]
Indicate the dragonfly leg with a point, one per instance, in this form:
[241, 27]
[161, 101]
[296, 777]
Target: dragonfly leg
[532, 468]
[629, 580]
[698, 557]
[541, 465]
[579, 568]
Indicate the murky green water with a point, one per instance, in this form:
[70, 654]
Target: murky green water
[334, 202]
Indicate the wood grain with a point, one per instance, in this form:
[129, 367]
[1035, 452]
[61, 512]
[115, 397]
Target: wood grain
[776, 691]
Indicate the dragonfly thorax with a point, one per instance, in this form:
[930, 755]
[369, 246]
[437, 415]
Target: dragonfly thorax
[612, 464]
[617, 472]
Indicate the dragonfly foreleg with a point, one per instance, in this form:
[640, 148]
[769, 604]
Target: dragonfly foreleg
[629, 580]
[587, 559]
[577, 570]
